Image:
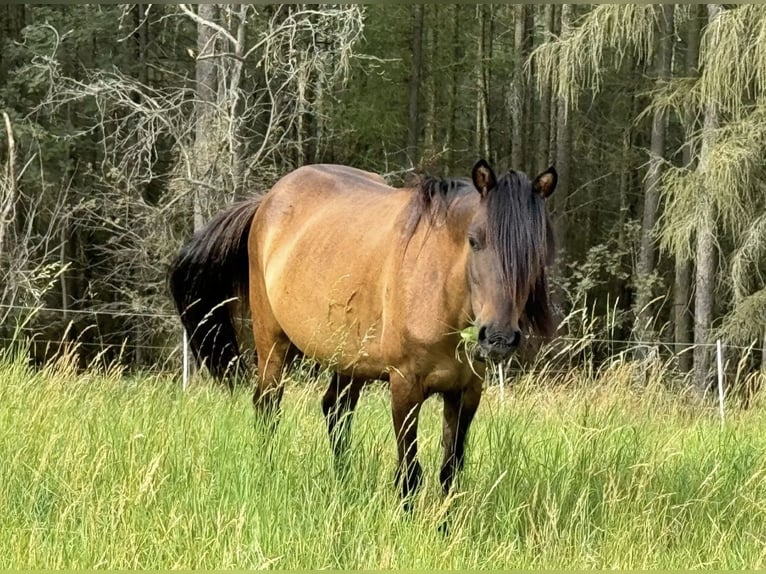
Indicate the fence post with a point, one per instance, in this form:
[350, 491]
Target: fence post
[501, 373]
[185, 344]
[719, 354]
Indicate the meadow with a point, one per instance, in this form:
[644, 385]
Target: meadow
[106, 470]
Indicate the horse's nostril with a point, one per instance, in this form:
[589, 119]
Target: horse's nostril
[516, 339]
[482, 334]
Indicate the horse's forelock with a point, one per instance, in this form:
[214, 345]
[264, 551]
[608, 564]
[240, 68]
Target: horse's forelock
[518, 231]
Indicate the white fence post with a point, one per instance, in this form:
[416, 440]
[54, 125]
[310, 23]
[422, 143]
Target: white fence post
[719, 354]
[185, 344]
[501, 373]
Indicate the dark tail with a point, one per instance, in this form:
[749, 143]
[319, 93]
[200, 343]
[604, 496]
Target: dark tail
[208, 276]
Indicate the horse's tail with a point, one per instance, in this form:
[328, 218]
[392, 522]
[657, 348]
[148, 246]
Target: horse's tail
[207, 277]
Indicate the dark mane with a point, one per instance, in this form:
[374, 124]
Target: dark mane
[431, 199]
[520, 234]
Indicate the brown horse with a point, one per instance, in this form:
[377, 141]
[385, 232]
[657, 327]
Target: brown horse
[377, 283]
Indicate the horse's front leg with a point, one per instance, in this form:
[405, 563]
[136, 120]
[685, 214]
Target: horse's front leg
[459, 410]
[338, 406]
[406, 400]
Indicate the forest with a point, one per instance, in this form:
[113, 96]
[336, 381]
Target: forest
[126, 127]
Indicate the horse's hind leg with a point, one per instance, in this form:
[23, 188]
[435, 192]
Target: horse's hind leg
[273, 349]
[275, 352]
[338, 406]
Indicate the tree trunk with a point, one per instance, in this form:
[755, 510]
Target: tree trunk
[529, 96]
[457, 53]
[706, 254]
[236, 102]
[141, 39]
[300, 115]
[705, 277]
[552, 125]
[563, 141]
[429, 136]
[682, 288]
[487, 125]
[206, 84]
[319, 111]
[544, 123]
[681, 315]
[644, 325]
[517, 89]
[481, 142]
[624, 290]
[477, 145]
[64, 234]
[416, 73]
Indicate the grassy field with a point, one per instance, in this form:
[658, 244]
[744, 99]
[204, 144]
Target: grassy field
[105, 471]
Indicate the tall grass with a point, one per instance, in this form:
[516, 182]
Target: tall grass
[99, 470]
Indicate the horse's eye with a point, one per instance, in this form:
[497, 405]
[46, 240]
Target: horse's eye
[474, 243]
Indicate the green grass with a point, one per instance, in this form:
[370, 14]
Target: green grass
[104, 471]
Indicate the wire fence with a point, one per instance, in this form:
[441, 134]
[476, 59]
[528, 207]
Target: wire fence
[108, 312]
[585, 338]
[177, 356]
[126, 345]
[75, 331]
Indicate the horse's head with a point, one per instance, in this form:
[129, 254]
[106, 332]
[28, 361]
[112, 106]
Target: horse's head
[510, 241]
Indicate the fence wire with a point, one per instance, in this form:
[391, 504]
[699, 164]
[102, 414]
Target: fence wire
[564, 338]
[573, 350]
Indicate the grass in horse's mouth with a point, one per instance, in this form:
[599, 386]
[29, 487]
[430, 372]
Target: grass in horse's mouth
[470, 334]
[469, 343]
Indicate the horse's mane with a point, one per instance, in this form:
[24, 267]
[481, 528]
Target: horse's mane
[431, 199]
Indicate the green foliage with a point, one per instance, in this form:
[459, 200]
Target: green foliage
[604, 35]
[370, 112]
[732, 79]
[730, 185]
[746, 323]
[733, 57]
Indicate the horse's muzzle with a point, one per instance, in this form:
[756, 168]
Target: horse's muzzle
[498, 345]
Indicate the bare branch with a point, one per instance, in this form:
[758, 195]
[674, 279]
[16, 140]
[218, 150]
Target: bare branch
[217, 27]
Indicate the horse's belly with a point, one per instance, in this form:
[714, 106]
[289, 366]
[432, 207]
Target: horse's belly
[338, 323]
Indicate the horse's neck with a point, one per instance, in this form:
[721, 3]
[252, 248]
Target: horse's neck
[434, 268]
[443, 234]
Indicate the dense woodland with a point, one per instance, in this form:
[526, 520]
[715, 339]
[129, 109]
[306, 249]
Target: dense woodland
[127, 126]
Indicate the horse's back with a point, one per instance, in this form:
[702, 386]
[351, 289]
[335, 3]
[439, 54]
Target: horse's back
[331, 179]
[343, 171]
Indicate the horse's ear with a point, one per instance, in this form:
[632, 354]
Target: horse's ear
[545, 183]
[483, 177]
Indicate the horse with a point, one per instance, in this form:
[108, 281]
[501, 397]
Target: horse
[376, 283]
